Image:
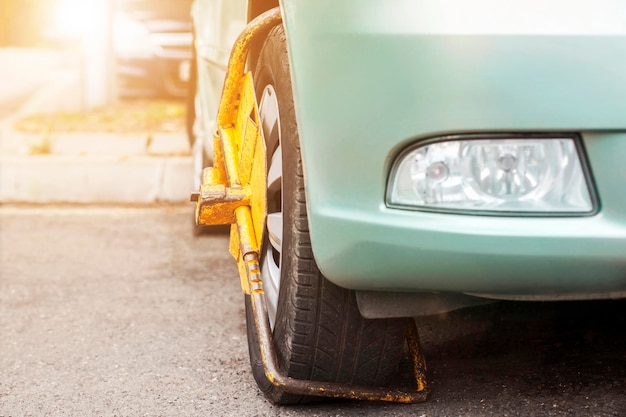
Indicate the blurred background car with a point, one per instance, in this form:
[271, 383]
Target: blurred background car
[216, 25]
[152, 40]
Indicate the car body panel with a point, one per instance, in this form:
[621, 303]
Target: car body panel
[371, 78]
[216, 25]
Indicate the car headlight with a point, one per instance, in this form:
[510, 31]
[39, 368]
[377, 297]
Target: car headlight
[526, 175]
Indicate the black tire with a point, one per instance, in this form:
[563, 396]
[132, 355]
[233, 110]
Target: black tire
[319, 333]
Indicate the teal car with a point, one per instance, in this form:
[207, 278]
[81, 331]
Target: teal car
[420, 157]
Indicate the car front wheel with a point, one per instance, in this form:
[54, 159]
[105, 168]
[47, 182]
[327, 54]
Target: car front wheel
[318, 331]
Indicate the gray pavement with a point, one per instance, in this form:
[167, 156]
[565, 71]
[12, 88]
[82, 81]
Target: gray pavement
[116, 312]
[122, 312]
[78, 167]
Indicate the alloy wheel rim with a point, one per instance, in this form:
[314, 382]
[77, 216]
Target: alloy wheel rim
[269, 117]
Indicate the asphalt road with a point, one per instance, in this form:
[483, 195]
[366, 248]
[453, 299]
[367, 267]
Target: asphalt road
[122, 312]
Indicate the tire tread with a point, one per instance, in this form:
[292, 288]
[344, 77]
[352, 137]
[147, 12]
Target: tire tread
[319, 333]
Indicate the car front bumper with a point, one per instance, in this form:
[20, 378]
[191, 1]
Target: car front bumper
[368, 83]
[372, 247]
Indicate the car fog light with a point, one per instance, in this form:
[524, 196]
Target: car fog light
[540, 175]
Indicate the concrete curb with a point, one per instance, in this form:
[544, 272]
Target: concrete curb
[95, 168]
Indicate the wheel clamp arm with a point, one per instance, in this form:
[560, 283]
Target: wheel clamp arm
[233, 192]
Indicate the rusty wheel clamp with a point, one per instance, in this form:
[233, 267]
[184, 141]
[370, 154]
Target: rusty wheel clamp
[233, 192]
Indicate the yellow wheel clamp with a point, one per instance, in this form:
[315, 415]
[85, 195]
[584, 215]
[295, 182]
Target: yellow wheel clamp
[233, 192]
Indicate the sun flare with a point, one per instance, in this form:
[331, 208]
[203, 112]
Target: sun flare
[78, 18]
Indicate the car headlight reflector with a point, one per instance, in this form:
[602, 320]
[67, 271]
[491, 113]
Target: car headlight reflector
[533, 175]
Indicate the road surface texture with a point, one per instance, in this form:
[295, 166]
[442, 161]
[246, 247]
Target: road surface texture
[122, 312]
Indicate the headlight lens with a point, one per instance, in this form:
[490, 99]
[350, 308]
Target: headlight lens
[541, 175]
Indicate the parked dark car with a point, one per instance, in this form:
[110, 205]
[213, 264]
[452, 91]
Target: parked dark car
[152, 42]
